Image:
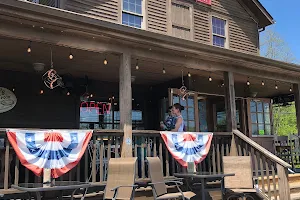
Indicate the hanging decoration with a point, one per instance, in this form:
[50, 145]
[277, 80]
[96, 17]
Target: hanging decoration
[187, 147]
[8, 100]
[183, 90]
[51, 78]
[58, 150]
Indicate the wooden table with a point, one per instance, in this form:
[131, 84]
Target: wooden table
[204, 177]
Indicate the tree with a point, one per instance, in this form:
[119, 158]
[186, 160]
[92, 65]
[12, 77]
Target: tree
[274, 47]
[284, 120]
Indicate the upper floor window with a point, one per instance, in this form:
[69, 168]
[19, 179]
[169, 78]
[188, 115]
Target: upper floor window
[219, 32]
[132, 13]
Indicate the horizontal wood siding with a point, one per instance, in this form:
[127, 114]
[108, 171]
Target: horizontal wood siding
[107, 10]
[201, 25]
[243, 36]
[157, 16]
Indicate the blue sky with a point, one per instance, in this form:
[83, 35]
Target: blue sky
[287, 15]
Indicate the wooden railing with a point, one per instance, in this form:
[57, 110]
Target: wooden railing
[106, 144]
[266, 167]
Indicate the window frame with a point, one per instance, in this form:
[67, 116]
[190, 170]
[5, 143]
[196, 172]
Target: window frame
[143, 24]
[262, 100]
[212, 34]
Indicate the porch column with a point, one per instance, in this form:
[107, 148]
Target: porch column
[230, 106]
[296, 89]
[126, 103]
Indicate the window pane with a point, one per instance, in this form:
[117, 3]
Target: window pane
[254, 129]
[218, 41]
[191, 126]
[253, 106]
[267, 118]
[259, 107]
[268, 130]
[134, 6]
[191, 114]
[175, 99]
[253, 118]
[184, 114]
[266, 107]
[131, 20]
[191, 101]
[218, 26]
[260, 118]
[261, 129]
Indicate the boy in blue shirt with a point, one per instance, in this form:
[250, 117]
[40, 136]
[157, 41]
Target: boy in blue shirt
[170, 121]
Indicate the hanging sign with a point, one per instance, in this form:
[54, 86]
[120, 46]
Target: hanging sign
[208, 2]
[8, 100]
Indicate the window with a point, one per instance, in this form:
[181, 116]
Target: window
[188, 114]
[132, 13]
[219, 32]
[260, 117]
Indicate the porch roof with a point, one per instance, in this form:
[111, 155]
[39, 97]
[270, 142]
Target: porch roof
[118, 38]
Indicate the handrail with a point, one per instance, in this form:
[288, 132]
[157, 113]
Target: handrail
[116, 132]
[261, 149]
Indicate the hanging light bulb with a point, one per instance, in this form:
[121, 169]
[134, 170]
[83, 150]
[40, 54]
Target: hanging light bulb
[71, 55]
[41, 91]
[137, 64]
[164, 71]
[105, 61]
[189, 74]
[291, 89]
[248, 82]
[29, 47]
[210, 79]
[262, 83]
[13, 89]
[68, 93]
[276, 86]
[91, 95]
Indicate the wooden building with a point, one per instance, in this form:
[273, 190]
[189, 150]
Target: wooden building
[133, 57]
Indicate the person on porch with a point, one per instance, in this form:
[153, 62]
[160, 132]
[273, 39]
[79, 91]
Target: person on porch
[179, 126]
[169, 122]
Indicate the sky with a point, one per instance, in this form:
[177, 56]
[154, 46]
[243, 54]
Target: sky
[286, 13]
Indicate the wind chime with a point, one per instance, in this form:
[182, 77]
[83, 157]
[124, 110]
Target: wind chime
[51, 78]
[183, 90]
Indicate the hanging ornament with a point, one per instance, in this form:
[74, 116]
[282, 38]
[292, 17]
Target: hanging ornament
[51, 78]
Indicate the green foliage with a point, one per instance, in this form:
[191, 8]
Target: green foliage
[285, 121]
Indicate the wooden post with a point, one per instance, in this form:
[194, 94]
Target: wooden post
[47, 178]
[126, 104]
[296, 89]
[233, 147]
[230, 101]
[283, 183]
[6, 165]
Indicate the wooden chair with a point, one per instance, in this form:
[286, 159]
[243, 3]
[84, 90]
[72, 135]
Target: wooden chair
[120, 179]
[158, 183]
[241, 185]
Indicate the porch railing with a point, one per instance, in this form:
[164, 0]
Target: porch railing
[51, 3]
[106, 144]
[270, 172]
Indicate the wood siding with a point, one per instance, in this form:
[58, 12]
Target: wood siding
[108, 10]
[157, 16]
[181, 21]
[201, 25]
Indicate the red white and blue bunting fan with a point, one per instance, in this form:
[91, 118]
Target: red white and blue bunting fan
[187, 147]
[58, 150]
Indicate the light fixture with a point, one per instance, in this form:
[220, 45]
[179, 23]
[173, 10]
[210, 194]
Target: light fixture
[105, 61]
[210, 79]
[189, 74]
[41, 91]
[262, 83]
[276, 86]
[164, 71]
[13, 89]
[291, 89]
[71, 55]
[248, 82]
[29, 47]
[137, 64]
[68, 93]
[91, 95]
[113, 97]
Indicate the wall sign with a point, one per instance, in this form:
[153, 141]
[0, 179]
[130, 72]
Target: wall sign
[208, 2]
[8, 100]
[100, 107]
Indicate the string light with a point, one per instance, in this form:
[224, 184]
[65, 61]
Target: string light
[91, 95]
[29, 47]
[41, 91]
[210, 79]
[291, 89]
[262, 83]
[276, 86]
[105, 61]
[137, 64]
[68, 93]
[13, 89]
[71, 55]
[248, 82]
[164, 71]
[189, 74]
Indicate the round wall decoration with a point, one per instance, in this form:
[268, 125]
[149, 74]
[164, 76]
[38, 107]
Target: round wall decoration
[8, 100]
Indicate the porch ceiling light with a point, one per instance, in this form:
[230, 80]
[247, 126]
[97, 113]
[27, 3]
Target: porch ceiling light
[29, 47]
[164, 71]
[105, 61]
[262, 83]
[291, 89]
[189, 74]
[38, 67]
[276, 86]
[71, 55]
[248, 82]
[137, 64]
